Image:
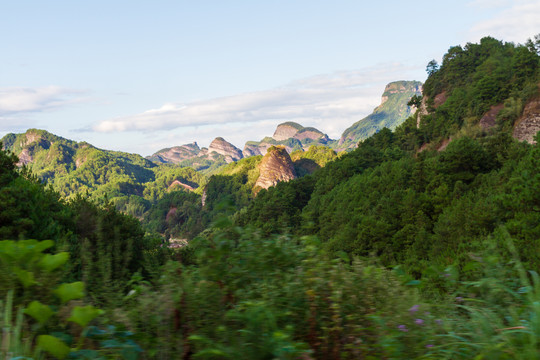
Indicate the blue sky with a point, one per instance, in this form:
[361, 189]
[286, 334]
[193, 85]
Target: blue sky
[139, 76]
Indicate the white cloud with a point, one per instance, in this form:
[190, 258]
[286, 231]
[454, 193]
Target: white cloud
[330, 102]
[18, 100]
[516, 22]
[18, 103]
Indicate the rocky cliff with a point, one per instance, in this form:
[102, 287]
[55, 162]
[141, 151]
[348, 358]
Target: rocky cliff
[275, 166]
[175, 154]
[391, 113]
[528, 124]
[222, 147]
[286, 130]
[292, 136]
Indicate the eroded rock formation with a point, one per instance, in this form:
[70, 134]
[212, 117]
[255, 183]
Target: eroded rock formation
[528, 124]
[222, 147]
[275, 166]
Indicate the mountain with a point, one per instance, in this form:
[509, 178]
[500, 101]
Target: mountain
[72, 168]
[292, 136]
[207, 160]
[175, 154]
[462, 172]
[222, 147]
[391, 113]
[275, 166]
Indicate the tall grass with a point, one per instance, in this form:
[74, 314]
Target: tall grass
[12, 344]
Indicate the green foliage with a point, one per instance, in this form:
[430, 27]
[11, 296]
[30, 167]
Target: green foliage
[70, 291]
[306, 162]
[48, 332]
[254, 297]
[473, 79]
[53, 346]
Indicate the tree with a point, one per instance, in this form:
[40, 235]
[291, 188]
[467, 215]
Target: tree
[432, 67]
[416, 100]
[534, 45]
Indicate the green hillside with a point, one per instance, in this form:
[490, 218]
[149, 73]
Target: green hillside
[132, 183]
[393, 199]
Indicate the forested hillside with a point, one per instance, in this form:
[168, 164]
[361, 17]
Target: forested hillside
[422, 243]
[396, 199]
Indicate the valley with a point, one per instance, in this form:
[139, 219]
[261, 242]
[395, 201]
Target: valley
[416, 235]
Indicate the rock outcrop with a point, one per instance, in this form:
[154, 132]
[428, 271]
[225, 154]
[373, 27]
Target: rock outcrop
[488, 121]
[528, 124]
[286, 130]
[292, 136]
[252, 149]
[178, 183]
[222, 147]
[275, 166]
[175, 154]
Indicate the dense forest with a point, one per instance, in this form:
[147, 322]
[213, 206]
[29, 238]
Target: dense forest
[423, 242]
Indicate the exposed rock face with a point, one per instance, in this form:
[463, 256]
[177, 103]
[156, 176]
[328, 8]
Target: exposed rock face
[253, 149]
[292, 136]
[422, 111]
[286, 130]
[176, 154]
[30, 143]
[25, 158]
[275, 166]
[398, 87]
[529, 124]
[182, 184]
[312, 134]
[488, 120]
[222, 147]
[440, 99]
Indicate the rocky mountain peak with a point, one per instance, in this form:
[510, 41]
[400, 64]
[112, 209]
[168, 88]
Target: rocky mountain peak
[275, 166]
[222, 147]
[176, 154]
[286, 130]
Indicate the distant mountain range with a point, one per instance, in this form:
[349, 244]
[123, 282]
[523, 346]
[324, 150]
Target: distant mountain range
[293, 136]
[77, 167]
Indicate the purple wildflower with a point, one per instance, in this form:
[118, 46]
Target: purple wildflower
[403, 328]
[414, 308]
[419, 322]
[429, 346]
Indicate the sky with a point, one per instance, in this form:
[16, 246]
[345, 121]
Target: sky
[139, 76]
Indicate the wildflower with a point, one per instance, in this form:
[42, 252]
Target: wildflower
[419, 322]
[429, 346]
[414, 308]
[403, 328]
